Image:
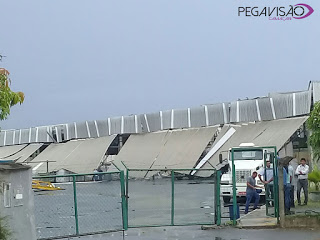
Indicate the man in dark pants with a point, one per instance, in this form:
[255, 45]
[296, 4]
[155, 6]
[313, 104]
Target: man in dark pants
[251, 192]
[290, 177]
[302, 172]
[287, 189]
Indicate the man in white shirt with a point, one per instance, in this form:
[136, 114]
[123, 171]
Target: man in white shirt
[267, 174]
[302, 172]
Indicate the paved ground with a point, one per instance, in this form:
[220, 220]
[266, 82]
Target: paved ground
[195, 232]
[99, 206]
[257, 219]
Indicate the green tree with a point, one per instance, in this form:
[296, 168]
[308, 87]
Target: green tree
[313, 124]
[8, 98]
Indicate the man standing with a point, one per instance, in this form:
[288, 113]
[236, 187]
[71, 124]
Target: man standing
[302, 172]
[251, 192]
[290, 180]
[287, 189]
[267, 174]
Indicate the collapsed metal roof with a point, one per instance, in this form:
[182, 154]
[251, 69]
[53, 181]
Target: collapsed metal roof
[275, 106]
[167, 149]
[23, 154]
[266, 133]
[78, 156]
[8, 151]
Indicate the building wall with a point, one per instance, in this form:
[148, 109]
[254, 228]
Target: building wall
[19, 212]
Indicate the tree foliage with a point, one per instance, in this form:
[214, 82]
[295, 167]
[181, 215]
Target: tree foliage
[313, 124]
[8, 98]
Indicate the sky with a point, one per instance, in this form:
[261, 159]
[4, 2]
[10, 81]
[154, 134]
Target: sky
[81, 60]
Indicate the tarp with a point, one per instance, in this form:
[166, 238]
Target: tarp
[166, 149]
[78, 156]
[24, 153]
[266, 133]
[8, 151]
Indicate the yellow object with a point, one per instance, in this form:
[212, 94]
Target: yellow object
[44, 186]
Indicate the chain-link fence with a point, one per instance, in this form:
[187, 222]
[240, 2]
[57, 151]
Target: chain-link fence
[163, 197]
[78, 204]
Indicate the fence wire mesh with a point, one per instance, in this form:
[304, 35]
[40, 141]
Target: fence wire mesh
[149, 201]
[193, 199]
[84, 204]
[163, 197]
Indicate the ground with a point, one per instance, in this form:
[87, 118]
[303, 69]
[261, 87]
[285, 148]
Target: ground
[195, 232]
[312, 208]
[99, 206]
[99, 209]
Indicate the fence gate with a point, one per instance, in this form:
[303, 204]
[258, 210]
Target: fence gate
[84, 204]
[172, 197]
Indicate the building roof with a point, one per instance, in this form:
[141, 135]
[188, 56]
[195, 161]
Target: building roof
[266, 133]
[275, 106]
[23, 152]
[12, 166]
[7, 151]
[166, 149]
[78, 156]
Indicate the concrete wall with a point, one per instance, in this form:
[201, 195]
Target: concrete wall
[19, 202]
[305, 222]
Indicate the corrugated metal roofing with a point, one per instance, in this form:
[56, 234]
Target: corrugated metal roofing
[314, 86]
[166, 119]
[166, 149]
[8, 151]
[180, 119]
[24, 153]
[283, 105]
[218, 114]
[198, 117]
[275, 106]
[183, 148]
[141, 150]
[78, 156]
[302, 103]
[267, 133]
[13, 166]
[265, 109]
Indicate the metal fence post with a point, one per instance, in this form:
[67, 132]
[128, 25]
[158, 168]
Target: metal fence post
[124, 202]
[217, 198]
[234, 190]
[75, 204]
[127, 187]
[172, 198]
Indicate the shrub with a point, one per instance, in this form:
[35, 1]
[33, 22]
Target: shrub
[314, 177]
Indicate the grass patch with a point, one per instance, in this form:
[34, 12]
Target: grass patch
[311, 204]
[4, 231]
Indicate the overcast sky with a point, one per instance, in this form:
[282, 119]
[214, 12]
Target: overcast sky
[84, 60]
